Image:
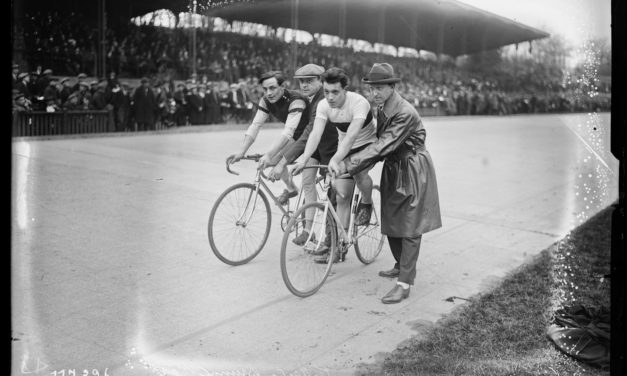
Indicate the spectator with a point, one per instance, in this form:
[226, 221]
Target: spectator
[180, 100]
[120, 102]
[21, 103]
[51, 92]
[42, 81]
[23, 85]
[212, 105]
[99, 101]
[79, 80]
[144, 106]
[84, 96]
[65, 90]
[194, 103]
[14, 75]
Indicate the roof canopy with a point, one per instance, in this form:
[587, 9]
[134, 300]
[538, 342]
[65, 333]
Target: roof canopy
[440, 26]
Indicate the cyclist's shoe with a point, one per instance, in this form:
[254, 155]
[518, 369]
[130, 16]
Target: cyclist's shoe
[324, 259]
[324, 247]
[364, 211]
[302, 238]
[284, 197]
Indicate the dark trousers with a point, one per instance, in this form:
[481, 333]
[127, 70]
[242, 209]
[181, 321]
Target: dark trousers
[405, 252]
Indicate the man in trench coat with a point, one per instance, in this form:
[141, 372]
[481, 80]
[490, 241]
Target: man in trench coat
[409, 194]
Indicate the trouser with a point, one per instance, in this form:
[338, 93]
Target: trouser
[405, 252]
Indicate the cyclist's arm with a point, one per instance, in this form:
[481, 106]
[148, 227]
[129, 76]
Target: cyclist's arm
[314, 138]
[347, 143]
[298, 147]
[294, 114]
[253, 130]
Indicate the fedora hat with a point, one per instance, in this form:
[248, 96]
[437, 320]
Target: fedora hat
[382, 73]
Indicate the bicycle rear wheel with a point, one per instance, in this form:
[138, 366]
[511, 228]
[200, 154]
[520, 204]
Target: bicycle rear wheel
[239, 224]
[368, 238]
[301, 274]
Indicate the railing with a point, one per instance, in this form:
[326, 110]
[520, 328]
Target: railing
[40, 123]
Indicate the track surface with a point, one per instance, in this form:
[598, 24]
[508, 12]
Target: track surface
[111, 267]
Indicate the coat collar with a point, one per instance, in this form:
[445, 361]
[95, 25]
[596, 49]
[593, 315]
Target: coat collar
[319, 94]
[392, 105]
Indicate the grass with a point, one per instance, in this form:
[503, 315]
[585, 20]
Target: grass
[502, 332]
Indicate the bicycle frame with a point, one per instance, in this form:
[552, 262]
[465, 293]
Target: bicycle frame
[259, 182]
[343, 237]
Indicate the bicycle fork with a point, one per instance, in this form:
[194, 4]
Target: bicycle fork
[250, 209]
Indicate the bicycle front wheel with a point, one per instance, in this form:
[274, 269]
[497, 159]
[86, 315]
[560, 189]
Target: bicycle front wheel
[239, 224]
[368, 238]
[302, 275]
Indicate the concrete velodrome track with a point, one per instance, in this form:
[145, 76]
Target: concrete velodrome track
[112, 271]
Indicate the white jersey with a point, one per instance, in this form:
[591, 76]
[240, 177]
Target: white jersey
[355, 107]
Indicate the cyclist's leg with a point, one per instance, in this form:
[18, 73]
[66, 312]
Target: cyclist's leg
[309, 190]
[344, 191]
[286, 177]
[364, 183]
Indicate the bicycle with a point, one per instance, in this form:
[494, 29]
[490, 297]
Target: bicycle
[300, 272]
[239, 223]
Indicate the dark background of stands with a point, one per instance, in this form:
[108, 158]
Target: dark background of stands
[67, 38]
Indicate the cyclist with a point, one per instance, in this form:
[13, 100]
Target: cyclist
[291, 108]
[350, 113]
[310, 85]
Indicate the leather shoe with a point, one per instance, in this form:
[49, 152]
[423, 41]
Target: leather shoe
[395, 295]
[324, 259]
[392, 273]
[284, 197]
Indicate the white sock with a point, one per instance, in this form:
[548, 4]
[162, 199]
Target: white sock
[403, 284]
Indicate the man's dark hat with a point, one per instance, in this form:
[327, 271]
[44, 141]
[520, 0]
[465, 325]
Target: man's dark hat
[382, 73]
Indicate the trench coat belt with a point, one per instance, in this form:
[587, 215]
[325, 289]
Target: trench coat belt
[403, 152]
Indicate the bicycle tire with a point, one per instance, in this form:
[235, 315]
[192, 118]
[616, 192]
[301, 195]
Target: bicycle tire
[297, 262]
[228, 246]
[368, 240]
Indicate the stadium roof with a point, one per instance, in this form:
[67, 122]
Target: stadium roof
[444, 26]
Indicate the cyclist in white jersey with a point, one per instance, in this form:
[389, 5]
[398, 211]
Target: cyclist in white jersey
[350, 113]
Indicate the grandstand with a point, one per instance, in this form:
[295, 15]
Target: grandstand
[223, 63]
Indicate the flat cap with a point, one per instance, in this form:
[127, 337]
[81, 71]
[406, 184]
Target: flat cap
[22, 75]
[48, 71]
[309, 70]
[82, 75]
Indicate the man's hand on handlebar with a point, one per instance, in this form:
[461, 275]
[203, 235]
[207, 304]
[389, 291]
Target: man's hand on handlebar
[336, 168]
[275, 173]
[234, 158]
[264, 162]
[298, 168]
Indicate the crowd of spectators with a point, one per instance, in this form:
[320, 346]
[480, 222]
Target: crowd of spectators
[227, 65]
[144, 104]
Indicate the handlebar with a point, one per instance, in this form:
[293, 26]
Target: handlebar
[343, 176]
[250, 157]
